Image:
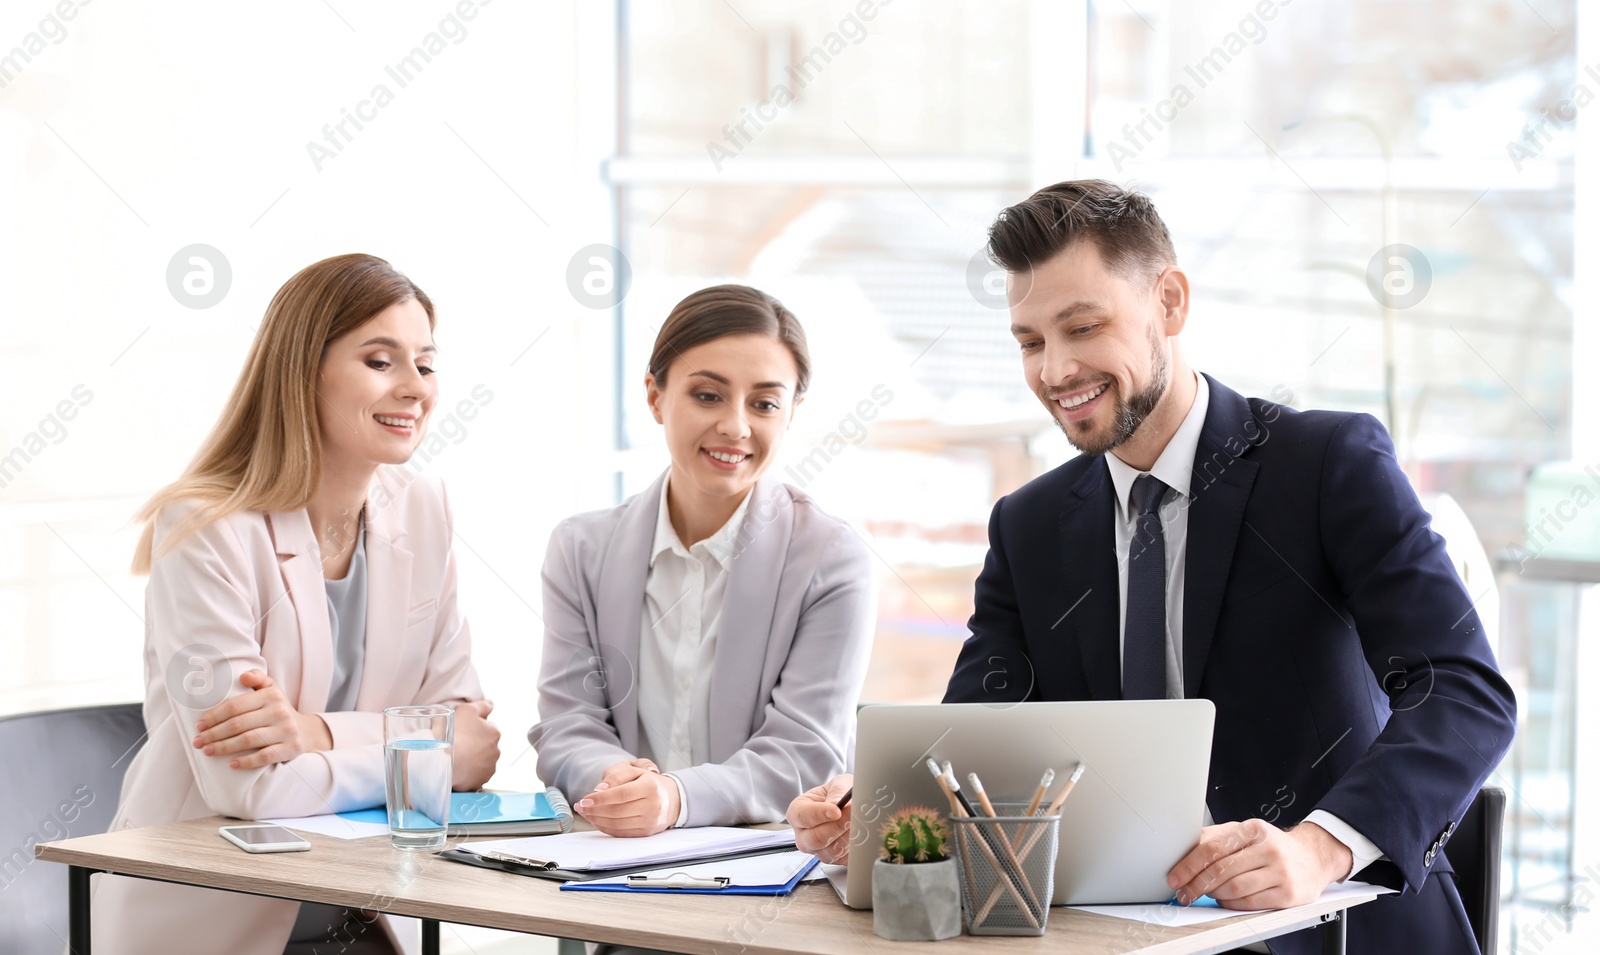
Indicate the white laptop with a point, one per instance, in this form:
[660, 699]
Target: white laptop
[1136, 811]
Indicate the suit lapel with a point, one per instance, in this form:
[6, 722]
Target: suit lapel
[619, 611]
[1220, 488]
[744, 630]
[1090, 597]
[388, 603]
[300, 563]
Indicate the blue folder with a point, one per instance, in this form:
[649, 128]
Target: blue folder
[480, 813]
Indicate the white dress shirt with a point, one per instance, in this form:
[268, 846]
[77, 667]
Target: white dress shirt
[683, 594]
[1175, 468]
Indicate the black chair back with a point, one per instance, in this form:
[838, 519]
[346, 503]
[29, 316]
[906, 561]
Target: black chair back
[1474, 852]
[62, 778]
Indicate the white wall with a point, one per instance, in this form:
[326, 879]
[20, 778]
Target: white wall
[138, 129]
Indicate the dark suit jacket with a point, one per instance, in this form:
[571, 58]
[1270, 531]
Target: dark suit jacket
[1321, 615]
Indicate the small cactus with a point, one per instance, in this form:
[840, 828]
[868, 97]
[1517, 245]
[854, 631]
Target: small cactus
[914, 834]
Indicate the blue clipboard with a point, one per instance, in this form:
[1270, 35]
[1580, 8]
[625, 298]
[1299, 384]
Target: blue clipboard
[783, 889]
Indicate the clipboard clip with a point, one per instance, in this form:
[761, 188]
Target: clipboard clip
[517, 860]
[678, 880]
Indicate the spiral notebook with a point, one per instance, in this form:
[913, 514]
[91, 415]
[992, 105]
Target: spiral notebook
[495, 814]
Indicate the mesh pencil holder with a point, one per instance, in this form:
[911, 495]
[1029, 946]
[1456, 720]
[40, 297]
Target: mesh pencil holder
[1008, 867]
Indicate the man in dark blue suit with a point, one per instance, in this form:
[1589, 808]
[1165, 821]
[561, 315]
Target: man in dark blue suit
[1203, 544]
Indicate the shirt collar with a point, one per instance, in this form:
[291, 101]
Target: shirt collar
[1176, 463]
[718, 545]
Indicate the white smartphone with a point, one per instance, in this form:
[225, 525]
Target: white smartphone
[264, 838]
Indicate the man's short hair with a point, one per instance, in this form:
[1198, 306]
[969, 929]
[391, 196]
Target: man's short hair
[1123, 225]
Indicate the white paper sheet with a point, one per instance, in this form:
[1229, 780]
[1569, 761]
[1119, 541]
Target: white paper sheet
[332, 825]
[1181, 915]
[1160, 914]
[596, 850]
[775, 869]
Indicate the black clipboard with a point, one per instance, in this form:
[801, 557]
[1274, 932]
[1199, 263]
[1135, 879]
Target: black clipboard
[589, 875]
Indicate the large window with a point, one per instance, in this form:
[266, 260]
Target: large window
[851, 168]
[846, 158]
[1282, 175]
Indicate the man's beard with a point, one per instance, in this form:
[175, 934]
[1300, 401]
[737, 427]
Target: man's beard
[1129, 413]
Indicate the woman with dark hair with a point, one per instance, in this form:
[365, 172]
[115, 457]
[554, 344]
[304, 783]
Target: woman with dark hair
[300, 582]
[706, 641]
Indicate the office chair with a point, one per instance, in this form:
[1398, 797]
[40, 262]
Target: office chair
[63, 779]
[1474, 852]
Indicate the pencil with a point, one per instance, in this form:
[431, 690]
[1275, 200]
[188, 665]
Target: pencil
[1024, 850]
[954, 785]
[1044, 785]
[845, 799]
[1010, 879]
[1066, 790]
[983, 797]
[1055, 807]
[938, 777]
[999, 831]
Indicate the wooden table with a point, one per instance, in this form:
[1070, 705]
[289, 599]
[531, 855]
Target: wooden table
[368, 873]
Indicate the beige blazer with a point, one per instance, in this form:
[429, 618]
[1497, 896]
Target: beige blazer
[791, 655]
[247, 592]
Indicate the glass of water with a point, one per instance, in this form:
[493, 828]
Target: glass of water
[417, 742]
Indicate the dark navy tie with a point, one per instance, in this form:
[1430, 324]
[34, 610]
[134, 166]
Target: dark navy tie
[1144, 635]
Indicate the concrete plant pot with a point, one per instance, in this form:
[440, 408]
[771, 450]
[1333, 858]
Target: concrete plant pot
[916, 902]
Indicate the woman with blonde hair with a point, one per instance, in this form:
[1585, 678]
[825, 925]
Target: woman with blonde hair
[300, 582]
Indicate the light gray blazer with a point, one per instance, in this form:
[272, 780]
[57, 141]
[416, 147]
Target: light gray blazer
[792, 647]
